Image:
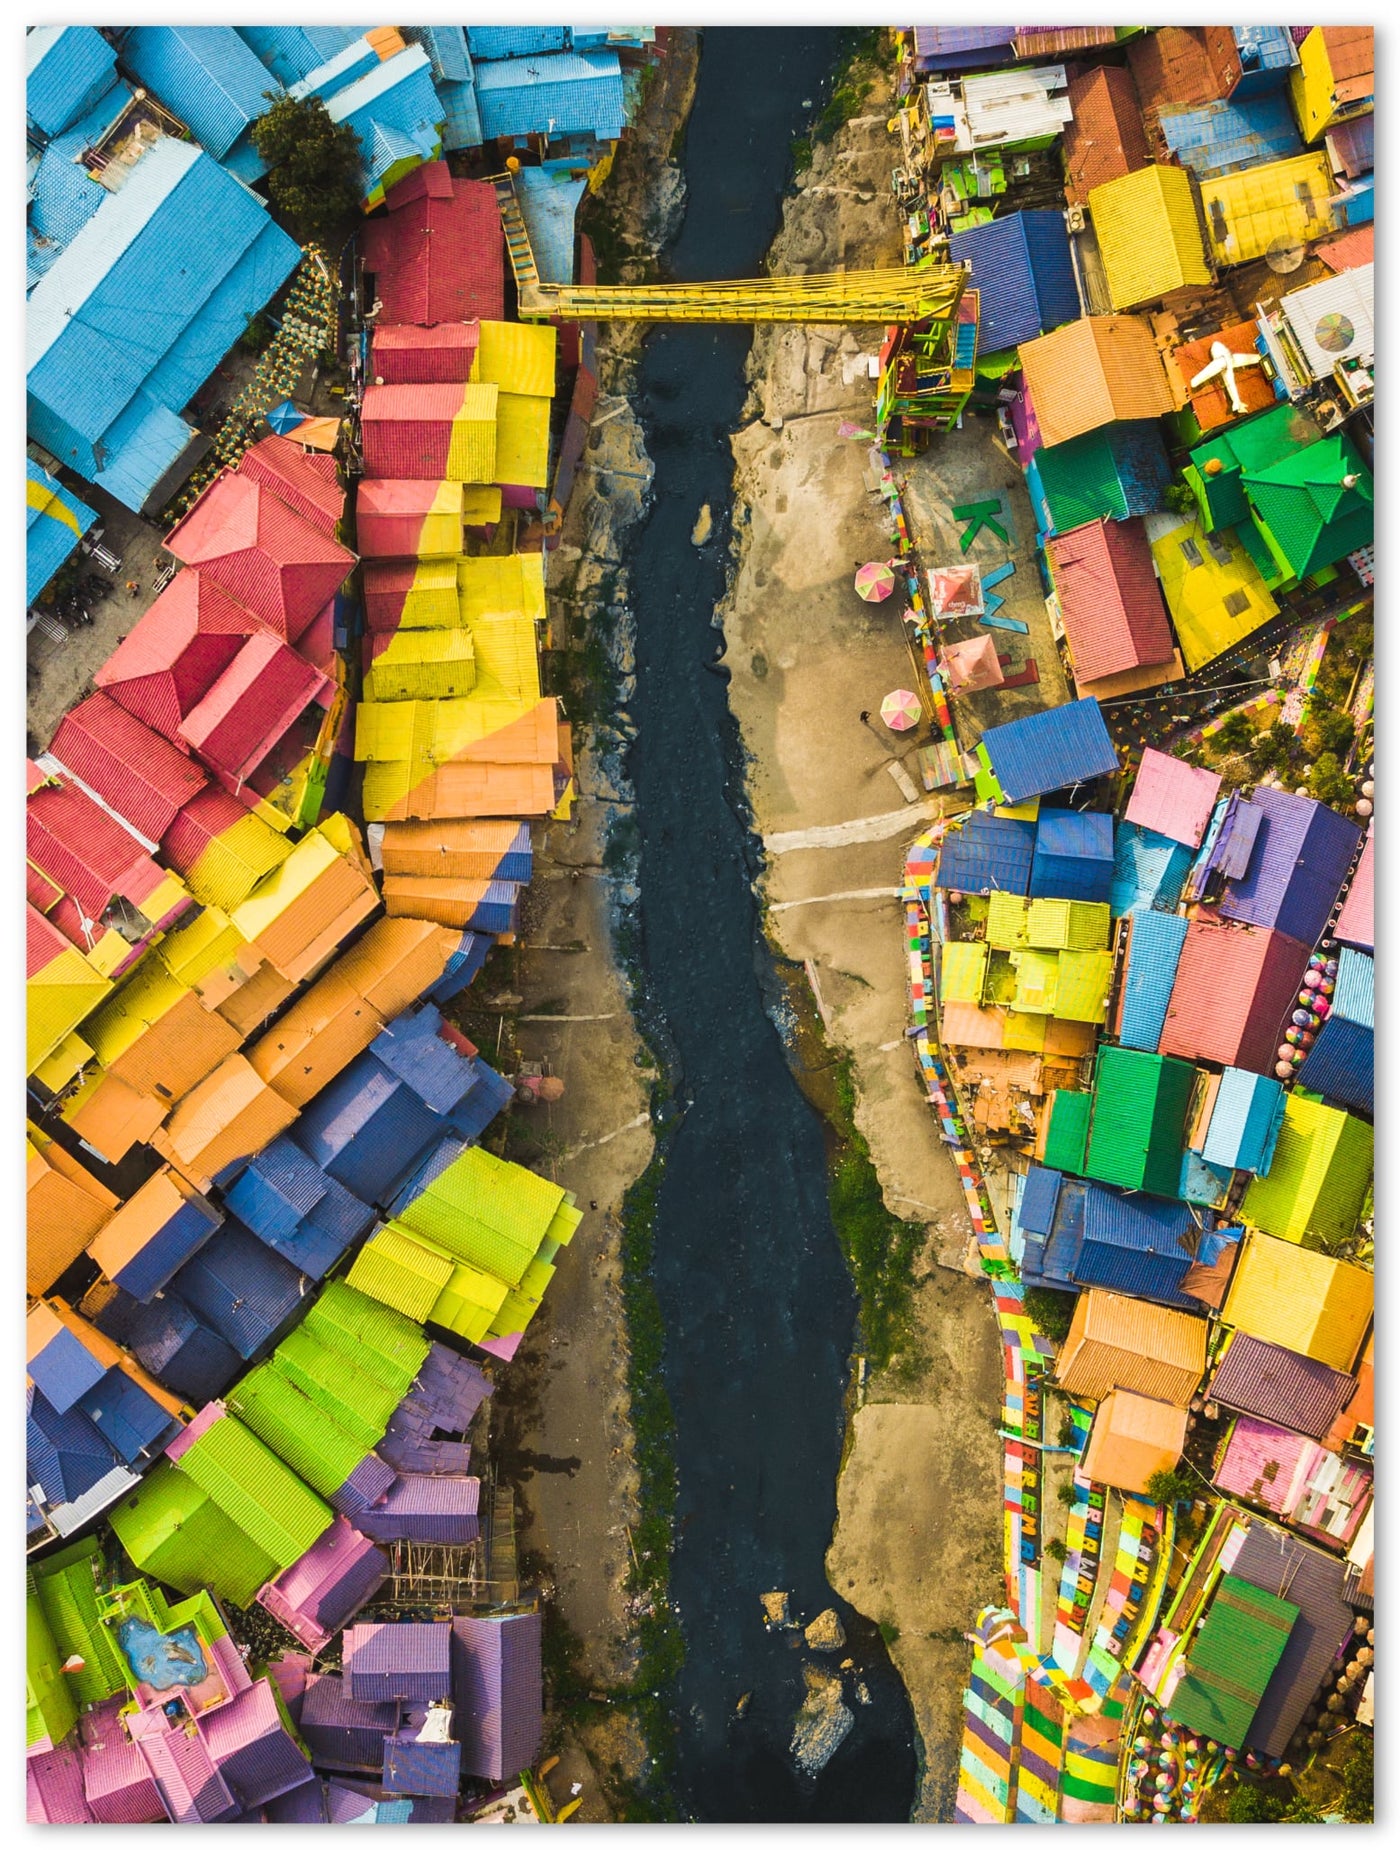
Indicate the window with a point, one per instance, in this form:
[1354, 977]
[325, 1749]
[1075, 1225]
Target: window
[1237, 603]
[1218, 547]
[1191, 553]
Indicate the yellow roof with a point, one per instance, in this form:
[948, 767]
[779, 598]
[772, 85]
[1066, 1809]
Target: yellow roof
[65, 1062]
[57, 998]
[962, 971]
[1082, 991]
[1025, 1033]
[518, 356]
[207, 944]
[1148, 234]
[1006, 921]
[423, 665]
[1067, 925]
[395, 961]
[1334, 77]
[303, 867]
[431, 603]
[1212, 587]
[141, 1001]
[446, 850]
[1303, 1300]
[1094, 371]
[1283, 202]
[522, 441]
[471, 449]
[507, 585]
[481, 503]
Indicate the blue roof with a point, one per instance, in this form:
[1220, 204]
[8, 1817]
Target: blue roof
[146, 441]
[438, 1159]
[1219, 137]
[1244, 1121]
[354, 60]
[1354, 998]
[54, 521]
[64, 195]
[463, 966]
[1149, 871]
[66, 69]
[1051, 750]
[64, 1369]
[558, 94]
[548, 203]
[1118, 470]
[1073, 855]
[496, 909]
[1052, 1258]
[240, 1289]
[367, 1129]
[1341, 1065]
[461, 126]
[412, 1048]
[295, 1208]
[486, 1100]
[1022, 269]
[446, 46]
[987, 854]
[157, 1262]
[289, 52]
[124, 1413]
[1133, 1244]
[1154, 950]
[1036, 1212]
[1205, 1184]
[205, 75]
[171, 1343]
[65, 1454]
[1297, 867]
[394, 110]
[1267, 53]
[516, 41]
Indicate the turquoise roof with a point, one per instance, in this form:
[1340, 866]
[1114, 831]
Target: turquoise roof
[1245, 1121]
[562, 93]
[49, 538]
[206, 76]
[290, 52]
[66, 69]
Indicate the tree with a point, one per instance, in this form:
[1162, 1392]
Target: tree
[314, 168]
[1329, 783]
[1335, 731]
[1236, 735]
[1050, 1311]
[1179, 498]
[1171, 1486]
[1358, 1782]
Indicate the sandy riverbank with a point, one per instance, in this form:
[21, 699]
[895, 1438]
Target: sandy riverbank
[918, 1540]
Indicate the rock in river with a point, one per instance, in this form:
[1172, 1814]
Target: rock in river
[825, 1633]
[823, 1721]
[776, 1610]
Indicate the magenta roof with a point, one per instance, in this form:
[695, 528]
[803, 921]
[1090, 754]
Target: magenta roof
[1356, 923]
[322, 1591]
[133, 769]
[85, 851]
[1172, 798]
[250, 1746]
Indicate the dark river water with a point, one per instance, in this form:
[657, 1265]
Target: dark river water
[759, 1308]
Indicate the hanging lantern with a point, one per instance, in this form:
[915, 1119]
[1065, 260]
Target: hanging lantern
[1312, 979]
[1282, 1070]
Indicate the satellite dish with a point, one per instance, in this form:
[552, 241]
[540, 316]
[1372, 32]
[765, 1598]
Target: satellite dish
[1334, 333]
[1285, 255]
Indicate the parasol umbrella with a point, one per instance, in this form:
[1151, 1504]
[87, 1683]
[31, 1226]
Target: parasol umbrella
[285, 417]
[847, 429]
[972, 665]
[901, 710]
[875, 582]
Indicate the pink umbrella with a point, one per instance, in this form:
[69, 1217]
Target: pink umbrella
[875, 582]
[972, 666]
[901, 710]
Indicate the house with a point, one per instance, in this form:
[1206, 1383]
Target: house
[395, 113]
[1264, 1379]
[987, 853]
[1121, 1342]
[228, 1116]
[1172, 798]
[1022, 271]
[1055, 749]
[311, 901]
[1355, 1425]
[211, 80]
[1116, 471]
[409, 595]
[1235, 985]
[152, 1234]
[65, 1208]
[409, 519]
[1105, 139]
[1341, 1063]
[1149, 235]
[1259, 209]
[955, 48]
[553, 95]
[1092, 372]
[1112, 610]
[1212, 586]
[131, 769]
[308, 482]
[457, 850]
[172, 657]
[1225, 137]
[1317, 1182]
[1326, 331]
[1211, 404]
[422, 1507]
[496, 1672]
[439, 355]
[1019, 111]
[67, 69]
[398, 1663]
[54, 523]
[1303, 1300]
[61, 989]
[298, 1210]
[1335, 78]
[173, 1345]
[1297, 867]
[251, 706]
[1155, 941]
[1138, 1126]
[1185, 65]
[1131, 1439]
[1240, 1120]
[430, 433]
[438, 255]
[1356, 921]
[240, 1290]
[1231, 1660]
[1073, 860]
[1267, 57]
[343, 1733]
[246, 539]
[293, 52]
[320, 1593]
[464, 758]
[1294, 1478]
[107, 404]
[222, 849]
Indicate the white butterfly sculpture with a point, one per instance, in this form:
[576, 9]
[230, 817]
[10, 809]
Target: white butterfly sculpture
[1223, 361]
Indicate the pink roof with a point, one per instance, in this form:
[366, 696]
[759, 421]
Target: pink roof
[309, 484]
[258, 550]
[118, 1785]
[141, 775]
[89, 853]
[191, 1787]
[1233, 990]
[1172, 798]
[1352, 251]
[176, 652]
[404, 355]
[250, 706]
[439, 254]
[330, 1582]
[1109, 598]
[54, 1782]
[1356, 923]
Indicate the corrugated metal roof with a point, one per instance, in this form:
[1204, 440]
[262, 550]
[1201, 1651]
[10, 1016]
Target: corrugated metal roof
[1219, 137]
[430, 432]
[439, 355]
[421, 1508]
[66, 69]
[1132, 1438]
[256, 1490]
[1138, 1129]
[1050, 750]
[1235, 984]
[1341, 1064]
[1148, 871]
[1073, 861]
[556, 94]
[1231, 1660]
[1122, 1342]
[1296, 872]
[1116, 471]
[206, 75]
[988, 853]
[432, 1768]
[1271, 1381]
[1149, 237]
[497, 1685]
[1106, 137]
[488, 42]
[410, 1662]
[54, 521]
[1067, 1130]
[1021, 268]
[1304, 1300]
[1112, 607]
[1282, 202]
[1093, 371]
[1312, 1581]
[240, 1289]
[1154, 950]
[1245, 1121]
[1172, 798]
[176, 652]
[343, 1732]
[1317, 1182]
[1184, 64]
[1320, 314]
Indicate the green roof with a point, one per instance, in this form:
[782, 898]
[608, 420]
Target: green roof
[67, 1589]
[1081, 479]
[382, 1342]
[304, 1435]
[256, 1491]
[173, 1529]
[1306, 509]
[489, 1212]
[1067, 1131]
[1317, 1182]
[358, 1399]
[1139, 1120]
[1229, 1666]
[49, 1711]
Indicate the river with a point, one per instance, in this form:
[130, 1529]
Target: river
[759, 1309]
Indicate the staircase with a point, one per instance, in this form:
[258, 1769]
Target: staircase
[522, 257]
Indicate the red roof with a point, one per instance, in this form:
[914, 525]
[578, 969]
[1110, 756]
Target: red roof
[176, 652]
[1235, 987]
[250, 706]
[1105, 140]
[389, 516]
[404, 355]
[1109, 598]
[386, 585]
[309, 484]
[1184, 65]
[202, 821]
[252, 544]
[88, 852]
[141, 775]
[1352, 251]
[438, 255]
[406, 430]
[42, 942]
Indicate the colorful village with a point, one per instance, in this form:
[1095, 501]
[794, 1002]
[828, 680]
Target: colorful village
[278, 824]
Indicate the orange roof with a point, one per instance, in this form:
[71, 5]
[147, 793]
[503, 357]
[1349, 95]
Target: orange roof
[1212, 403]
[468, 790]
[1092, 372]
[111, 1116]
[138, 1220]
[1120, 1342]
[261, 996]
[1131, 1438]
[396, 960]
[231, 1114]
[416, 896]
[174, 1053]
[317, 1038]
[453, 850]
[1360, 1410]
[64, 1208]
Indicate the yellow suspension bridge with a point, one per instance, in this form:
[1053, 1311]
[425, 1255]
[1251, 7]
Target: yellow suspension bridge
[923, 292]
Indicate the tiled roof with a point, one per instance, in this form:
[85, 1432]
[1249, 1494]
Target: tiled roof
[221, 849]
[1172, 798]
[1234, 988]
[496, 1682]
[177, 651]
[1051, 750]
[134, 770]
[1356, 920]
[1306, 1301]
[1265, 1379]
[1132, 1438]
[85, 851]
[1149, 237]
[436, 258]
[1106, 137]
[256, 1490]
[251, 705]
[421, 1508]
[307, 483]
[430, 432]
[1093, 371]
[439, 355]
[1109, 599]
[343, 1732]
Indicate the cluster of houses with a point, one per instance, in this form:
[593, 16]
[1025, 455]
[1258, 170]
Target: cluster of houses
[271, 1272]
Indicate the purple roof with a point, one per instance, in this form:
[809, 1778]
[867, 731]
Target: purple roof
[948, 48]
[408, 1445]
[251, 1747]
[304, 1804]
[498, 1689]
[1274, 1383]
[450, 1388]
[54, 1787]
[366, 1484]
[289, 1672]
[425, 1509]
[342, 1732]
[412, 1048]
[1297, 868]
[371, 1805]
[326, 1587]
[411, 1662]
[430, 1769]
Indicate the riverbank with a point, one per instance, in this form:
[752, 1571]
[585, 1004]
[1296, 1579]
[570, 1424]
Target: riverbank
[918, 1538]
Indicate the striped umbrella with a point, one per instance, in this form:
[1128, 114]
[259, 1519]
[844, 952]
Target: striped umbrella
[875, 582]
[901, 710]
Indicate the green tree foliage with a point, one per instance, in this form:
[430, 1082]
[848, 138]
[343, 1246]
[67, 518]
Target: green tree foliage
[314, 169]
[1359, 1783]
[1335, 732]
[1252, 1805]
[1236, 735]
[1179, 498]
[1066, 1494]
[1050, 1311]
[1055, 1548]
[1171, 1486]
[1329, 783]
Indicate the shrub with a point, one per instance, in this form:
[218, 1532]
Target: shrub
[1335, 731]
[1179, 498]
[1055, 1548]
[1359, 1782]
[1065, 1493]
[1252, 1805]
[1173, 1486]
[1329, 783]
[1236, 735]
[1050, 1311]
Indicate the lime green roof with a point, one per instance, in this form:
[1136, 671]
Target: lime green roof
[469, 1302]
[256, 1491]
[1235, 1654]
[1084, 982]
[67, 1591]
[356, 1398]
[382, 1342]
[172, 1528]
[1067, 925]
[1067, 1131]
[1006, 921]
[491, 1213]
[1317, 1182]
[962, 972]
[49, 1711]
[304, 1435]
[1139, 1119]
[1037, 981]
[401, 1270]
